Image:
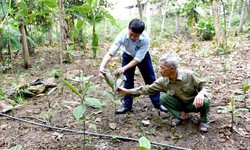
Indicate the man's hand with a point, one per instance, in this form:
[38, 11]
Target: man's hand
[101, 71]
[198, 100]
[123, 91]
[120, 70]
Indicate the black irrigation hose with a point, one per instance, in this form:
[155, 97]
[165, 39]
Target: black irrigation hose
[90, 133]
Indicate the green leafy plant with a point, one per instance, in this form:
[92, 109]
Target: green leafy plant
[54, 73]
[241, 93]
[114, 82]
[205, 29]
[144, 144]
[230, 108]
[86, 101]
[93, 12]
[246, 86]
[17, 147]
[2, 95]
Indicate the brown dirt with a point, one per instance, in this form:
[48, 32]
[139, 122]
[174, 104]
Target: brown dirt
[225, 74]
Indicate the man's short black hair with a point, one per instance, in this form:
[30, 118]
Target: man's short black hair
[136, 25]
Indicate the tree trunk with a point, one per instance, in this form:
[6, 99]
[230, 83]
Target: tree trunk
[27, 63]
[231, 14]
[50, 35]
[30, 47]
[243, 15]
[62, 31]
[148, 17]
[177, 24]
[164, 13]
[220, 37]
[139, 9]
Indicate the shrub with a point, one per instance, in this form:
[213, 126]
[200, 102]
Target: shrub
[205, 29]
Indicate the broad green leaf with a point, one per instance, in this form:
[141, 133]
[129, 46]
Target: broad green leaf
[15, 43]
[79, 24]
[110, 18]
[232, 103]
[109, 79]
[92, 88]
[71, 87]
[93, 102]
[84, 9]
[246, 86]
[189, 21]
[242, 109]
[110, 95]
[3, 9]
[17, 147]
[94, 4]
[86, 88]
[31, 41]
[50, 3]
[79, 111]
[144, 144]
[23, 7]
[120, 80]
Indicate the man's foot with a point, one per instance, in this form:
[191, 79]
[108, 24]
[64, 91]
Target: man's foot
[163, 108]
[177, 121]
[123, 110]
[203, 127]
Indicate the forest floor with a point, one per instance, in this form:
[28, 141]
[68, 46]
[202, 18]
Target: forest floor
[224, 73]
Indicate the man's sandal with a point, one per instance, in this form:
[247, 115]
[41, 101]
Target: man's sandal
[177, 121]
[203, 127]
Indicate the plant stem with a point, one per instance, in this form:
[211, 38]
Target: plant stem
[115, 107]
[232, 116]
[84, 130]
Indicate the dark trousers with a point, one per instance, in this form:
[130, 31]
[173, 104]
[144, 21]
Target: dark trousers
[147, 72]
[176, 106]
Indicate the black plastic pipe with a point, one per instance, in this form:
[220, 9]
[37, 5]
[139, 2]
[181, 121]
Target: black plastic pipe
[90, 133]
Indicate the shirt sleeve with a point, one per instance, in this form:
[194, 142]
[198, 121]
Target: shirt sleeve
[157, 86]
[116, 44]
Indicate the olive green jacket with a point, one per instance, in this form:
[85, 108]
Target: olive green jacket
[186, 88]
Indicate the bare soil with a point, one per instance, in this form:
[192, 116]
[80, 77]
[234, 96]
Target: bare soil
[225, 73]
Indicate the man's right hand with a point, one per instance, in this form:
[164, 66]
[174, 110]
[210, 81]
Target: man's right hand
[123, 91]
[101, 71]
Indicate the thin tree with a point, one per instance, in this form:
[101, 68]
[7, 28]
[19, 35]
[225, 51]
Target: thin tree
[148, 18]
[231, 13]
[220, 36]
[243, 15]
[164, 14]
[139, 9]
[26, 56]
[62, 31]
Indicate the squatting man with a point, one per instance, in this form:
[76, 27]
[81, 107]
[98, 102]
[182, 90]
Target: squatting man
[182, 91]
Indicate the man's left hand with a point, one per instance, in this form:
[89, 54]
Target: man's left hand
[198, 100]
[120, 71]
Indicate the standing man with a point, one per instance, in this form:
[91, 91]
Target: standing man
[136, 42]
[182, 92]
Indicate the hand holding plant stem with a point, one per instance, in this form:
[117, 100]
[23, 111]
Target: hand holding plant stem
[123, 91]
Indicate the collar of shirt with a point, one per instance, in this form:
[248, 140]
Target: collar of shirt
[179, 76]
